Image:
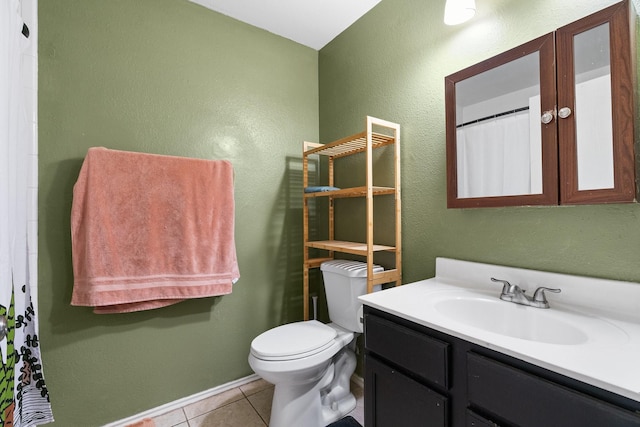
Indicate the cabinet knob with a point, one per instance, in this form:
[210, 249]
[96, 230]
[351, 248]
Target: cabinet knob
[547, 117]
[564, 112]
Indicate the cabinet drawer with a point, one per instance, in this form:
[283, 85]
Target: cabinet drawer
[423, 355]
[530, 401]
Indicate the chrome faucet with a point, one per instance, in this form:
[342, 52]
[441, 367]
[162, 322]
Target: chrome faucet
[515, 294]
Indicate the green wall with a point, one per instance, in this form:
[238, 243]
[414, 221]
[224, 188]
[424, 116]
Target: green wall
[391, 64]
[168, 77]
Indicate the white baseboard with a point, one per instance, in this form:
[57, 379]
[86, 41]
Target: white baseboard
[151, 413]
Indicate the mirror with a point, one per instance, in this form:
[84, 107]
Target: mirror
[498, 139]
[593, 117]
[495, 150]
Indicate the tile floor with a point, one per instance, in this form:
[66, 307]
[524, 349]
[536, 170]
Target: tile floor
[246, 406]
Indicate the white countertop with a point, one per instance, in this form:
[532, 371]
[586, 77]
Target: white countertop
[608, 360]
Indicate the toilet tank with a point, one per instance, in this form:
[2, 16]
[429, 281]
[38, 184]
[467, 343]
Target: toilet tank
[344, 282]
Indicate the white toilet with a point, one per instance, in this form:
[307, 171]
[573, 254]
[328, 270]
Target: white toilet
[311, 363]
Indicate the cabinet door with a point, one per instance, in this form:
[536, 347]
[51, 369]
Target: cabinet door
[422, 355]
[498, 151]
[595, 111]
[393, 399]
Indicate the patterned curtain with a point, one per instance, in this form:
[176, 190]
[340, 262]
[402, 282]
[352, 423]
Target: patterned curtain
[24, 394]
[24, 399]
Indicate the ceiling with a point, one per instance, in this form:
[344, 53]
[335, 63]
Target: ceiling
[313, 23]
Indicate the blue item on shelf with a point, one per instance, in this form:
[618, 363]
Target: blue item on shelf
[319, 188]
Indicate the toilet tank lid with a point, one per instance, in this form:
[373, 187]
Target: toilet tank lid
[348, 268]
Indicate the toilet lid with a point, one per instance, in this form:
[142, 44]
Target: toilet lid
[293, 341]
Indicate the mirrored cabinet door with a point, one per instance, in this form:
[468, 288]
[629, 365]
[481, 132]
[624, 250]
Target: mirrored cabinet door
[596, 108]
[499, 150]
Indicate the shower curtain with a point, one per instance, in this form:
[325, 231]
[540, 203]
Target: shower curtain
[24, 399]
[494, 157]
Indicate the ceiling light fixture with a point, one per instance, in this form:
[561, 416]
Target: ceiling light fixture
[458, 11]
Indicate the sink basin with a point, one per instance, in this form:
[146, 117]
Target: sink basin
[522, 322]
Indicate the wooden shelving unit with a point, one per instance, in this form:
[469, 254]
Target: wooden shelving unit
[387, 133]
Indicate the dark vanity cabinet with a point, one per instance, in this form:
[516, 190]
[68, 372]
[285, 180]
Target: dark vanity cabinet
[418, 390]
[548, 122]
[417, 376]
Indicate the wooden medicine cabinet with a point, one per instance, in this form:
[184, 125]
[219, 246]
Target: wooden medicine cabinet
[548, 122]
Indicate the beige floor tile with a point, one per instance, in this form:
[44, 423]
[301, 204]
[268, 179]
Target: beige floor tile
[254, 387]
[211, 403]
[233, 409]
[358, 413]
[261, 402]
[236, 414]
[170, 419]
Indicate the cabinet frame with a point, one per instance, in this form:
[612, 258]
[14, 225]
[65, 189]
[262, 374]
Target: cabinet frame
[364, 142]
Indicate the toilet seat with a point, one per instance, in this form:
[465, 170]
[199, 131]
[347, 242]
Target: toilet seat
[293, 341]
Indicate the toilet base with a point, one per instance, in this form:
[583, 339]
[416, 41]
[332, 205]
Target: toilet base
[339, 410]
[316, 403]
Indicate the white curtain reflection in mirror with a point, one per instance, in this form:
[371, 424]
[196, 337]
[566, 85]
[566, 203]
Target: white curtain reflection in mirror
[501, 156]
[498, 136]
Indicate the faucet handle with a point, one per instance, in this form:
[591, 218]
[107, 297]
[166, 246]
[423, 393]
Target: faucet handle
[506, 286]
[539, 295]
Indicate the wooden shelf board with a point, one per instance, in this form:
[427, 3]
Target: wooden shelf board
[347, 247]
[351, 192]
[351, 145]
[386, 277]
[315, 262]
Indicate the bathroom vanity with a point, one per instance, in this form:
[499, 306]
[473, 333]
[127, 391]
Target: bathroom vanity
[448, 352]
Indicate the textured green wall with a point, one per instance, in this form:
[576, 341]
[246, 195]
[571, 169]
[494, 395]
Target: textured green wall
[168, 77]
[391, 64]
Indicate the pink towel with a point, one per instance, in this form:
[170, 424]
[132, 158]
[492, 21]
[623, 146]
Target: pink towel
[149, 231]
